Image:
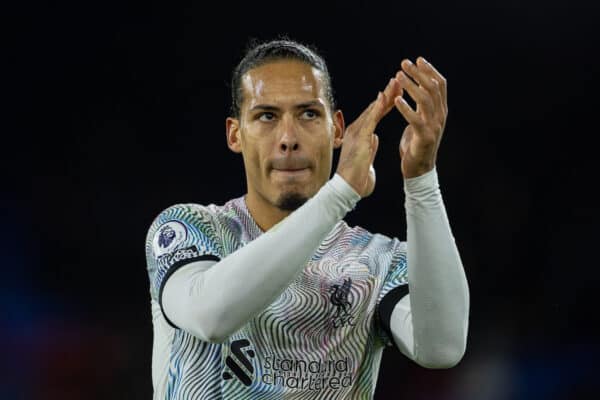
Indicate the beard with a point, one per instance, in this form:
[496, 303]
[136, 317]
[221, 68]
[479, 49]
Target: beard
[290, 201]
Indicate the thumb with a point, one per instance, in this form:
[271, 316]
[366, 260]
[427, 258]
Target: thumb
[404, 141]
[374, 147]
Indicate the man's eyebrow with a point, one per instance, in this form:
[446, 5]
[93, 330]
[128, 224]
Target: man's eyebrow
[265, 107]
[313, 103]
[269, 107]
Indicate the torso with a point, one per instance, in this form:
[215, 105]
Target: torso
[318, 339]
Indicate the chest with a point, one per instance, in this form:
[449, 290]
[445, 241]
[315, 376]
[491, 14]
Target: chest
[314, 333]
[330, 299]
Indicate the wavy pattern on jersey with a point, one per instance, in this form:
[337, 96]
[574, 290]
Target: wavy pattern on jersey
[397, 276]
[296, 324]
[193, 363]
[299, 324]
[192, 369]
[200, 233]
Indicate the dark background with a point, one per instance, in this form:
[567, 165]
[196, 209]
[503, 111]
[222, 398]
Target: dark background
[115, 110]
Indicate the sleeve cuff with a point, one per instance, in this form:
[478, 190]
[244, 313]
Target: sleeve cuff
[343, 188]
[426, 182]
[387, 305]
[171, 271]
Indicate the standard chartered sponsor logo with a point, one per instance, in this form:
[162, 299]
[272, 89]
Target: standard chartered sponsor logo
[239, 358]
[307, 374]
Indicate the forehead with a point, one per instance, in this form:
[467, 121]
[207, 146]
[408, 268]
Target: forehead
[282, 81]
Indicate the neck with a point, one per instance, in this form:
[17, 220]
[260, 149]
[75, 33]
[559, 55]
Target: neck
[264, 213]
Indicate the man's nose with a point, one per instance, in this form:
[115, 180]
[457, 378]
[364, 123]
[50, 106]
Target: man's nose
[288, 141]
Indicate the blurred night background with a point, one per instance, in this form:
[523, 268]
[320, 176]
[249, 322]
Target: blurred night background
[115, 110]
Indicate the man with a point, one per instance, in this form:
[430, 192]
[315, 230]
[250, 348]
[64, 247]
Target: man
[272, 295]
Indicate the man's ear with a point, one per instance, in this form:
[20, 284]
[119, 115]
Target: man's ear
[232, 130]
[340, 128]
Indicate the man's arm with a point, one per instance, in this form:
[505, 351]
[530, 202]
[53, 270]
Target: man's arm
[438, 304]
[430, 324]
[212, 300]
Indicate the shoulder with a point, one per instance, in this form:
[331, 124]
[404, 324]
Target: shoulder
[184, 222]
[182, 216]
[367, 240]
[377, 250]
[195, 214]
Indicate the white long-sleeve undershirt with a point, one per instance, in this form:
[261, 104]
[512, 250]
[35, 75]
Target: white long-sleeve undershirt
[429, 325]
[212, 303]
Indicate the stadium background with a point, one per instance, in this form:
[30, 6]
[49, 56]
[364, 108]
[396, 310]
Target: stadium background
[115, 110]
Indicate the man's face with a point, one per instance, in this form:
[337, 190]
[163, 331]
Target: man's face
[286, 132]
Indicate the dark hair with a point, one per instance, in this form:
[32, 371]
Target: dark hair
[258, 54]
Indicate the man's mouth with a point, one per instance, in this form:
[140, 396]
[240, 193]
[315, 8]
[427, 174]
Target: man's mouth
[290, 172]
[289, 169]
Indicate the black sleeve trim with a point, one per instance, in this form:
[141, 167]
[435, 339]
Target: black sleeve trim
[386, 307]
[171, 271]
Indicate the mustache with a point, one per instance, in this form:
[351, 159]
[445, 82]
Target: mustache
[296, 162]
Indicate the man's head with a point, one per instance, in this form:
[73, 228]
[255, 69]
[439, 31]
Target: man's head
[276, 50]
[283, 122]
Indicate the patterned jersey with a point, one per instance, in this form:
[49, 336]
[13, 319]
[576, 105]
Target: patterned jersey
[320, 339]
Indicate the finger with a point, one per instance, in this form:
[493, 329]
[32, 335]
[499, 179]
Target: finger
[390, 92]
[439, 106]
[433, 87]
[375, 114]
[434, 73]
[367, 111]
[411, 116]
[364, 125]
[440, 103]
[419, 95]
[419, 75]
[365, 114]
[374, 147]
[384, 102]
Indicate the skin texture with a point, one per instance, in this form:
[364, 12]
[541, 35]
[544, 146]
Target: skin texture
[286, 133]
[421, 138]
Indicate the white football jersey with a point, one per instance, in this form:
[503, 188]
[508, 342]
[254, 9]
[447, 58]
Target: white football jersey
[320, 339]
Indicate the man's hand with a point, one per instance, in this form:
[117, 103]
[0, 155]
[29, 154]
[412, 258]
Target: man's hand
[421, 138]
[360, 142]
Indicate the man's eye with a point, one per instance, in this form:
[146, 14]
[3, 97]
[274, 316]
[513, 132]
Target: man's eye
[310, 114]
[266, 117]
